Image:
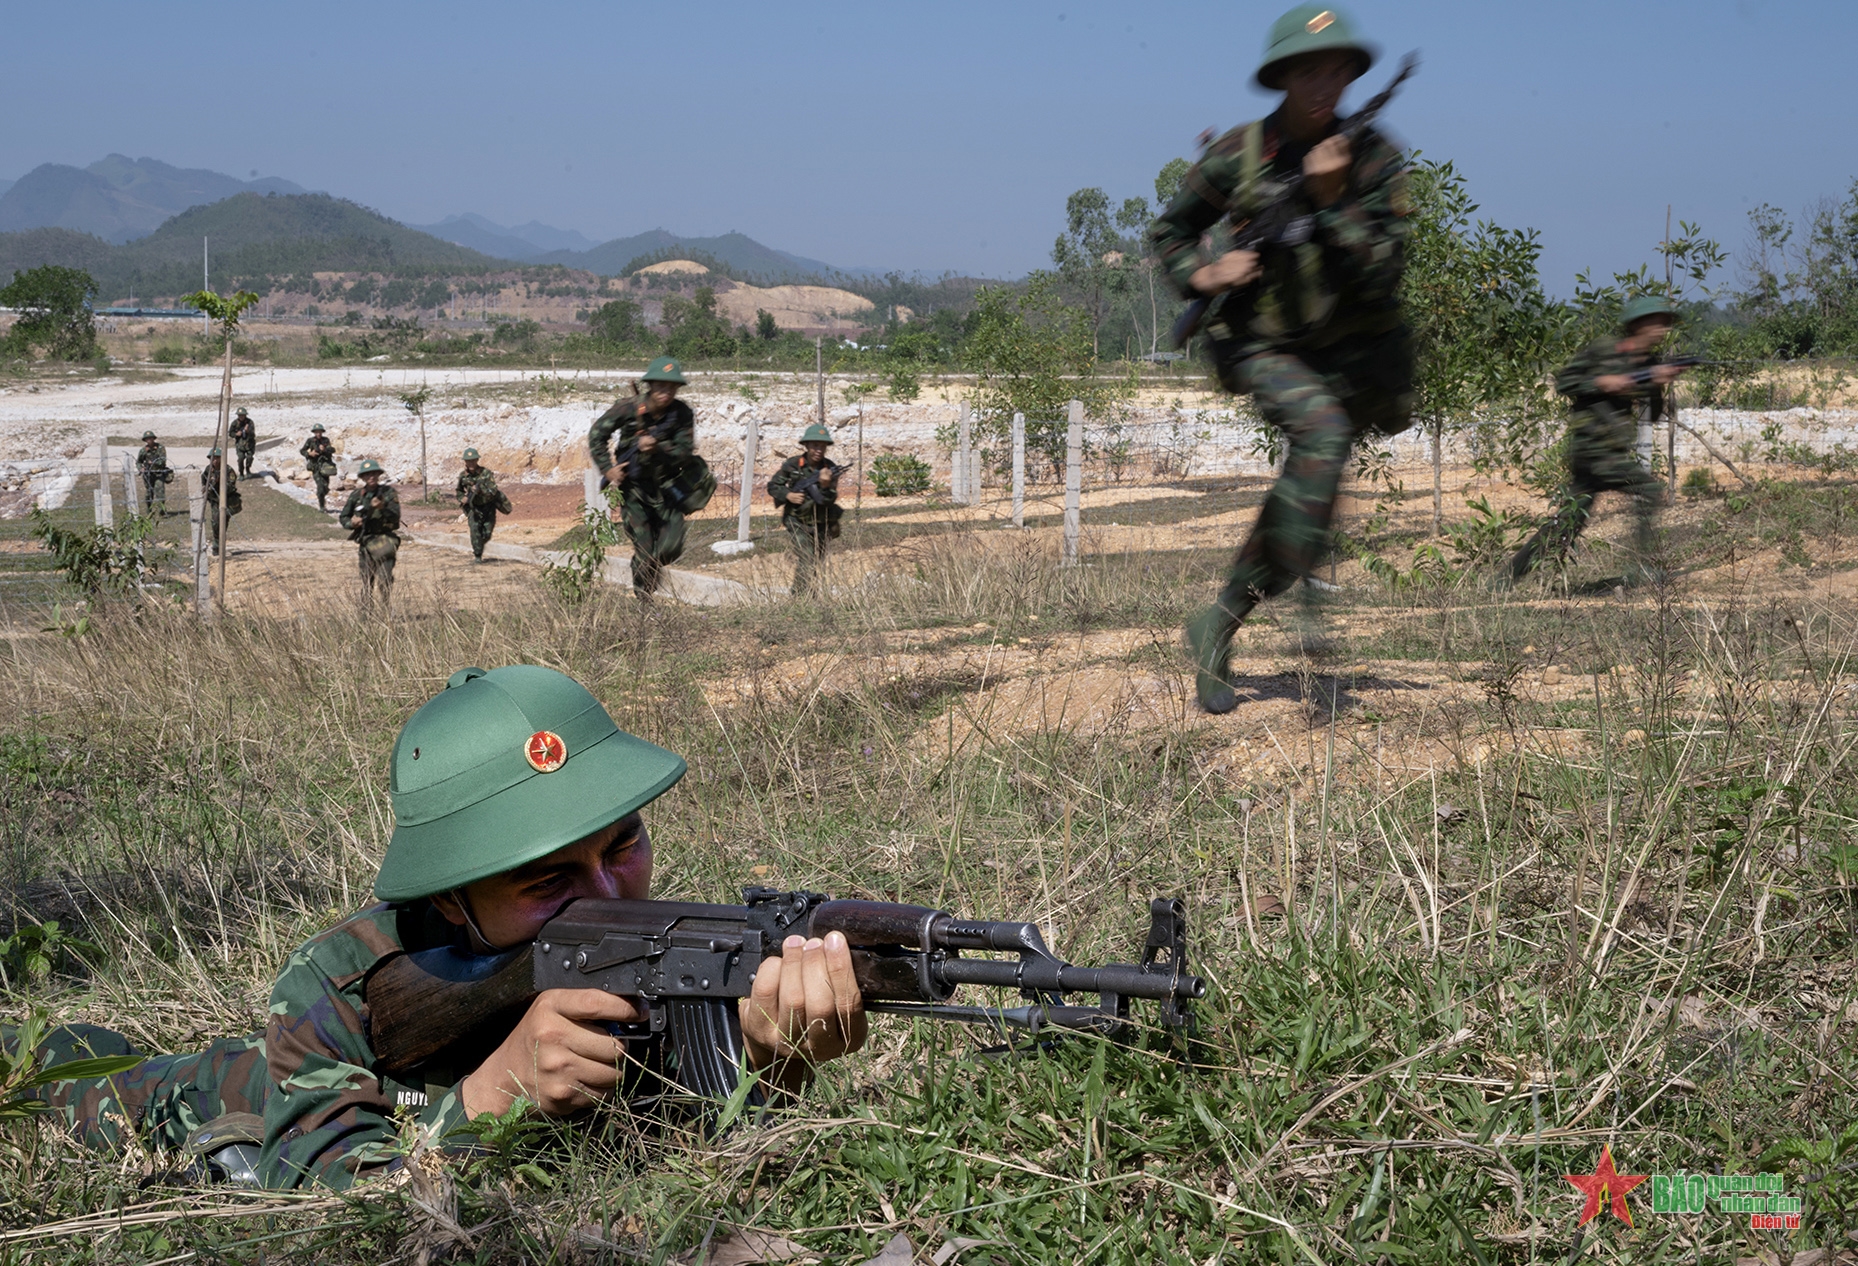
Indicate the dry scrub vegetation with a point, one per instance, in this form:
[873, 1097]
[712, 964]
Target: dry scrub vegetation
[1516, 877]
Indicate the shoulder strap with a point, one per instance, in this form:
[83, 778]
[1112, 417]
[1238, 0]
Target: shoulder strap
[1251, 165]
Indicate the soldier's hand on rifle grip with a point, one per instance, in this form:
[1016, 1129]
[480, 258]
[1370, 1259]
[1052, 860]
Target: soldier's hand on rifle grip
[796, 497]
[804, 1008]
[561, 1056]
[1325, 169]
[1228, 272]
[647, 442]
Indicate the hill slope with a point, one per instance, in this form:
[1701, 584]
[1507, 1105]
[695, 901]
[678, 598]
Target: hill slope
[525, 242]
[741, 252]
[118, 198]
[251, 236]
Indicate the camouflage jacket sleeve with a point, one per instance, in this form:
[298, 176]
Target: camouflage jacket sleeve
[306, 450]
[677, 441]
[1579, 378]
[605, 427]
[347, 518]
[1365, 230]
[1205, 195]
[783, 481]
[331, 1118]
[389, 513]
[152, 458]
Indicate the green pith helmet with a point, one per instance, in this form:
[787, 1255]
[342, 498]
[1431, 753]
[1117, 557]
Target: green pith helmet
[664, 369]
[369, 467]
[212, 453]
[1641, 306]
[148, 435]
[319, 427]
[504, 767]
[816, 434]
[470, 454]
[241, 410]
[1310, 28]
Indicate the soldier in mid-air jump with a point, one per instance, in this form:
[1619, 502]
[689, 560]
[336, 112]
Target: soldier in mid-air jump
[1308, 324]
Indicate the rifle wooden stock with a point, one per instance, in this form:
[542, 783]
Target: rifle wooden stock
[421, 1004]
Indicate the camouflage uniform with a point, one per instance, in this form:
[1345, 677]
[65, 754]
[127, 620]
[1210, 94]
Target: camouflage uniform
[152, 464]
[319, 455]
[1318, 341]
[659, 485]
[481, 500]
[377, 532]
[244, 436]
[1601, 436]
[209, 488]
[808, 525]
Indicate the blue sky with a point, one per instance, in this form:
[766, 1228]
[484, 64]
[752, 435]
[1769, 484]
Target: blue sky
[929, 136]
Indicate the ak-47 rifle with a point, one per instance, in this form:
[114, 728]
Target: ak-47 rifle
[814, 484]
[1283, 220]
[1642, 376]
[689, 962]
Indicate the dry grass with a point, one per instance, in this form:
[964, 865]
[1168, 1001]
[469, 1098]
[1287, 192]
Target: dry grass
[1467, 918]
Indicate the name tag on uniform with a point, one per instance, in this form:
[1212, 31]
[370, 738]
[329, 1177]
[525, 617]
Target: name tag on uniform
[412, 1099]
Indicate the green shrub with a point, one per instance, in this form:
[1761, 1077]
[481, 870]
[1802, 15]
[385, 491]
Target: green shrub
[1699, 483]
[168, 354]
[899, 475]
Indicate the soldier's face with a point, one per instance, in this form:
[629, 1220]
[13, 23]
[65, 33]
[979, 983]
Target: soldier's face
[661, 395]
[1314, 83]
[372, 479]
[512, 907]
[471, 466]
[815, 450]
[1648, 333]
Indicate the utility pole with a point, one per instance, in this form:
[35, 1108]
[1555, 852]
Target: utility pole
[1670, 391]
[205, 327]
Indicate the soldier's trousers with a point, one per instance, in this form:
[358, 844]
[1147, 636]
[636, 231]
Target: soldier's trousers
[322, 491]
[212, 520]
[809, 545]
[657, 534]
[245, 460]
[1600, 459]
[377, 555]
[482, 523]
[1321, 401]
[161, 1100]
[155, 494]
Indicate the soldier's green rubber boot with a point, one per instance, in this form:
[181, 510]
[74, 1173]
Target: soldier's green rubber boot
[1209, 641]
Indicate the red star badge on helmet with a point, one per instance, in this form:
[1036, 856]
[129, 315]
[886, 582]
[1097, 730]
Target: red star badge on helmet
[545, 751]
[1604, 1180]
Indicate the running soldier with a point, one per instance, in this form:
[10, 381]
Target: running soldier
[481, 500]
[1309, 325]
[1605, 384]
[209, 489]
[151, 464]
[319, 456]
[656, 469]
[372, 517]
[244, 436]
[806, 487]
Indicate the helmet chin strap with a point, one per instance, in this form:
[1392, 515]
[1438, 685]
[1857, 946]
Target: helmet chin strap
[464, 905]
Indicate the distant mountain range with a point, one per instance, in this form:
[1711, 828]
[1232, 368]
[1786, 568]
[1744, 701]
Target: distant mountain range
[155, 214]
[523, 242]
[536, 243]
[117, 198]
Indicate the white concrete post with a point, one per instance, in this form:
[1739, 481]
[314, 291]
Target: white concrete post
[751, 440]
[132, 487]
[106, 509]
[590, 487]
[1019, 470]
[958, 466]
[1073, 479]
[196, 520]
[99, 508]
[974, 475]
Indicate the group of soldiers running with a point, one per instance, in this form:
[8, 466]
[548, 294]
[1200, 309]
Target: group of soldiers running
[529, 797]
